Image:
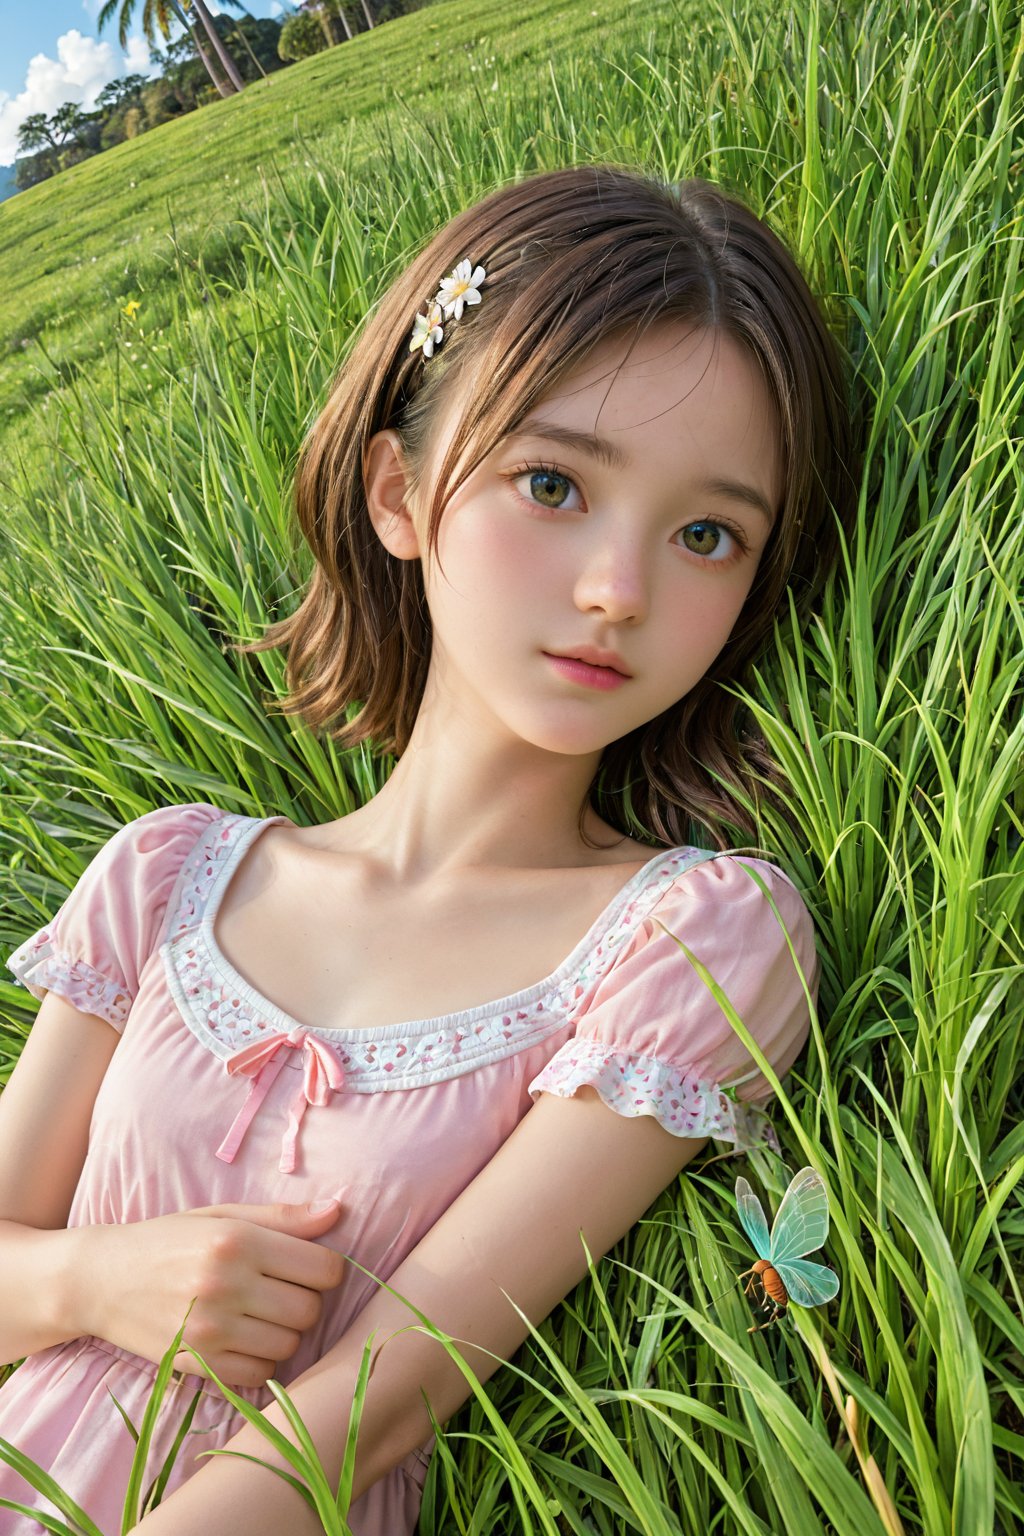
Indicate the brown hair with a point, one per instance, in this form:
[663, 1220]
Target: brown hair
[563, 251]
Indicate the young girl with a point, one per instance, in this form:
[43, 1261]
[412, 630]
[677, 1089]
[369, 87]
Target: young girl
[597, 418]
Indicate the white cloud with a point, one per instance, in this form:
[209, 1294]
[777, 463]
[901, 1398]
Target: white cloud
[83, 66]
[136, 57]
[276, 10]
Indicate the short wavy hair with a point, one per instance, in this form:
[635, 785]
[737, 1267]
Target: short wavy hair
[564, 250]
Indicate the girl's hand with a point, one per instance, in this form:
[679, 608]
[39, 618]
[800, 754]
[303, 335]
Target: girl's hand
[255, 1271]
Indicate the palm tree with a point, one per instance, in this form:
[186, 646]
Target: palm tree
[156, 15]
[343, 18]
[239, 32]
[324, 14]
[226, 88]
[215, 38]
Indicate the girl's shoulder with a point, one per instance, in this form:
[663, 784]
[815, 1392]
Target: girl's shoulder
[94, 947]
[719, 890]
[721, 880]
[729, 925]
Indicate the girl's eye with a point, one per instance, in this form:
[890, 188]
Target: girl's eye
[711, 540]
[545, 486]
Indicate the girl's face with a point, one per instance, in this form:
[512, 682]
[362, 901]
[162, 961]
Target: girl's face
[627, 512]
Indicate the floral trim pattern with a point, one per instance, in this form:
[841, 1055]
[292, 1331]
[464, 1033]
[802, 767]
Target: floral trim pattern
[226, 1014]
[41, 967]
[643, 1085]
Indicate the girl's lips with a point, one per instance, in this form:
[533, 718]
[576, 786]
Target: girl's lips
[583, 672]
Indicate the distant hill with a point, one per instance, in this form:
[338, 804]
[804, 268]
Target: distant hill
[8, 185]
[75, 248]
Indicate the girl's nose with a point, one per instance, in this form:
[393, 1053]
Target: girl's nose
[615, 582]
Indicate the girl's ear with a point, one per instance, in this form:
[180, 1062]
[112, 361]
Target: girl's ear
[386, 479]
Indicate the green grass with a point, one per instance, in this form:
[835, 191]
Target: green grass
[887, 146]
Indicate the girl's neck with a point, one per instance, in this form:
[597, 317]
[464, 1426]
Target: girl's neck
[400, 851]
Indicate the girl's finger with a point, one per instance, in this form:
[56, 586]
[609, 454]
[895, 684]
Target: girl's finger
[233, 1369]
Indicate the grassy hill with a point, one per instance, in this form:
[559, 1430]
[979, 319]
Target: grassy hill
[76, 248]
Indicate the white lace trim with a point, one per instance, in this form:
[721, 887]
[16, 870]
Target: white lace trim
[643, 1085]
[41, 967]
[226, 1014]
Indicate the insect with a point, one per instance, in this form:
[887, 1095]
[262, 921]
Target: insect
[800, 1226]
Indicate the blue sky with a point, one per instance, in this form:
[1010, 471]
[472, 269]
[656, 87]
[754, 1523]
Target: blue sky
[53, 52]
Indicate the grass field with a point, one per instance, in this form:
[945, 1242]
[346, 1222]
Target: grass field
[147, 522]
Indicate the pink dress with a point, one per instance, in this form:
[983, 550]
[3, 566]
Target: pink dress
[214, 1095]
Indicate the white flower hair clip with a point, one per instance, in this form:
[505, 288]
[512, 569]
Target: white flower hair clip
[427, 331]
[461, 287]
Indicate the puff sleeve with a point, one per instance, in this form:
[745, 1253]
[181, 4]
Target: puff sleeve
[93, 950]
[653, 1040]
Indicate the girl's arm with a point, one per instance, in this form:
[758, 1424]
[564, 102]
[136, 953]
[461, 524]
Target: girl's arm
[45, 1112]
[571, 1164]
[131, 1282]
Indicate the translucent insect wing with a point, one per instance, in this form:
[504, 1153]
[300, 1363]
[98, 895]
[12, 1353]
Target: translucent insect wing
[752, 1217]
[808, 1284]
[801, 1222]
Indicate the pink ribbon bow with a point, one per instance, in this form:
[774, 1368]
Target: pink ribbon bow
[321, 1075]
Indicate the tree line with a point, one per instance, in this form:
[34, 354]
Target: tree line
[214, 56]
